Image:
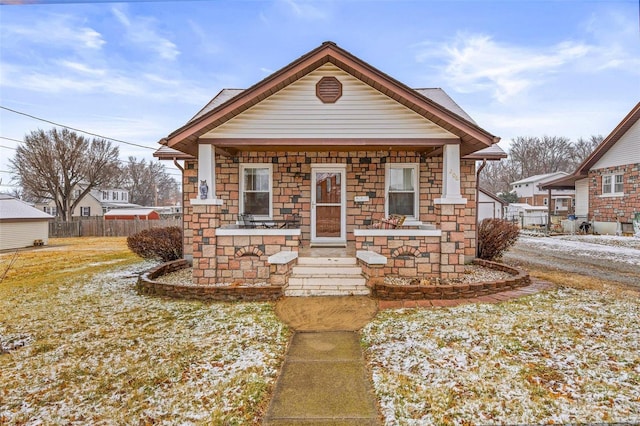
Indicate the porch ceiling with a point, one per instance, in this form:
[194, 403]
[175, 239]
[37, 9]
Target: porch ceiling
[233, 146]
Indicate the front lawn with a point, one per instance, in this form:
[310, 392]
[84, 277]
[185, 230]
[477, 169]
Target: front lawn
[563, 356]
[97, 352]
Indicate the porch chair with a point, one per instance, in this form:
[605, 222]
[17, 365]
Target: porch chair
[246, 220]
[391, 222]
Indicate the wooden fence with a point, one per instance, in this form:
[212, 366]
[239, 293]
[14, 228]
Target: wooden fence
[98, 227]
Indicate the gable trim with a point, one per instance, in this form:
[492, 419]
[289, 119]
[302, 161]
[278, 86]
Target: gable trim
[185, 138]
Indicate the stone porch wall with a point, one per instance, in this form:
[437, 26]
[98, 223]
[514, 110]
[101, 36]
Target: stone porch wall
[612, 209]
[216, 261]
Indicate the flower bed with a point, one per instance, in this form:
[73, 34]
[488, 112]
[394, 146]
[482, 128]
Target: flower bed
[418, 290]
[148, 283]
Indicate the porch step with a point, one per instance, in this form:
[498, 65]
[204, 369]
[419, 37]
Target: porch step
[329, 276]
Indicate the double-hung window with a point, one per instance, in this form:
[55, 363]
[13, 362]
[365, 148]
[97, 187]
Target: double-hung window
[612, 184]
[402, 189]
[85, 211]
[256, 189]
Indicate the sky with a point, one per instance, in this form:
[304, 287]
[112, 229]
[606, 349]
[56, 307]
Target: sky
[135, 71]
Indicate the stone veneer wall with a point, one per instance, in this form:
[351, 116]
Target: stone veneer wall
[292, 195]
[407, 256]
[612, 209]
[147, 285]
[453, 291]
[244, 258]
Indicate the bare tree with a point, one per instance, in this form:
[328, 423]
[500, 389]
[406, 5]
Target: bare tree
[54, 165]
[149, 184]
[529, 156]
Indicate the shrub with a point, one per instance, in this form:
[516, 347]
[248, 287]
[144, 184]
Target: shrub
[163, 244]
[495, 236]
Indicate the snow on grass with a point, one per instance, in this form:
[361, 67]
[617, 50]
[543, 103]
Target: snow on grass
[611, 248]
[100, 353]
[564, 356]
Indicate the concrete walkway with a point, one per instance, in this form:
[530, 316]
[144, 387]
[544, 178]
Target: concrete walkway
[324, 380]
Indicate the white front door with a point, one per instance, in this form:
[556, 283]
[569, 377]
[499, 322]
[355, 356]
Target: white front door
[328, 205]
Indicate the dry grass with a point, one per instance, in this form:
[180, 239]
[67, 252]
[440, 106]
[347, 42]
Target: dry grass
[95, 352]
[558, 357]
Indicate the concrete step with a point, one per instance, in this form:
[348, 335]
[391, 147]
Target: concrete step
[337, 281]
[327, 261]
[360, 291]
[326, 270]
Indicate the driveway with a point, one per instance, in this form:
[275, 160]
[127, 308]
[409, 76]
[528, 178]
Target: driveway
[605, 257]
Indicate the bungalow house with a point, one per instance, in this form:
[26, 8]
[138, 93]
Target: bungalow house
[561, 201]
[95, 204]
[338, 145]
[22, 225]
[607, 183]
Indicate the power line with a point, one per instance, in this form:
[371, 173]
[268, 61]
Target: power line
[11, 139]
[7, 147]
[72, 128]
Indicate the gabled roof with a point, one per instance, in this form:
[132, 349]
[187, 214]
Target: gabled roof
[130, 212]
[582, 171]
[13, 209]
[539, 178]
[493, 196]
[218, 112]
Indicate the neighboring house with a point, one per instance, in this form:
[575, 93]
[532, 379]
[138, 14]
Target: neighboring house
[562, 201]
[342, 145]
[490, 206]
[22, 225]
[141, 213]
[95, 204]
[607, 183]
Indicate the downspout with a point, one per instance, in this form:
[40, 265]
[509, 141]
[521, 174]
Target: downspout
[482, 166]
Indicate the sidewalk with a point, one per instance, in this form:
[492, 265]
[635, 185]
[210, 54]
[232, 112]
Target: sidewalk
[323, 381]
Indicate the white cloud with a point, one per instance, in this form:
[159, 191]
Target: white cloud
[476, 62]
[305, 10]
[56, 31]
[143, 34]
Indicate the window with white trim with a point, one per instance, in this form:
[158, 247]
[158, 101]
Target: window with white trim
[612, 184]
[402, 189]
[85, 211]
[256, 189]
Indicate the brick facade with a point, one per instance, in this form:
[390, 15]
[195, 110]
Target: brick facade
[615, 208]
[244, 259]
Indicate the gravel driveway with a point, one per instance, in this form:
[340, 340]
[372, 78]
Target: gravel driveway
[609, 258]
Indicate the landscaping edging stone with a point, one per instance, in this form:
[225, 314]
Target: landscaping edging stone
[147, 285]
[518, 279]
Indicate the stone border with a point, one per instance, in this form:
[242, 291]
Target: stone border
[519, 278]
[147, 285]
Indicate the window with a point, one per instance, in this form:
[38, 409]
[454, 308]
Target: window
[255, 189]
[114, 194]
[53, 211]
[612, 184]
[105, 195]
[402, 193]
[125, 196]
[76, 193]
[85, 211]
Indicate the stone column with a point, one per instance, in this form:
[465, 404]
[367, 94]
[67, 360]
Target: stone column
[451, 215]
[205, 220]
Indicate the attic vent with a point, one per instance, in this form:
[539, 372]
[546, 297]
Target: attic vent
[328, 90]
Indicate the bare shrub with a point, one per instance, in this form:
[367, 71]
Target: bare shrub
[163, 244]
[495, 236]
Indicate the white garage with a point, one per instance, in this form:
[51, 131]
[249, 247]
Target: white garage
[21, 225]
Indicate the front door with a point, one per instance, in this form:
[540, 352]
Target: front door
[328, 205]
